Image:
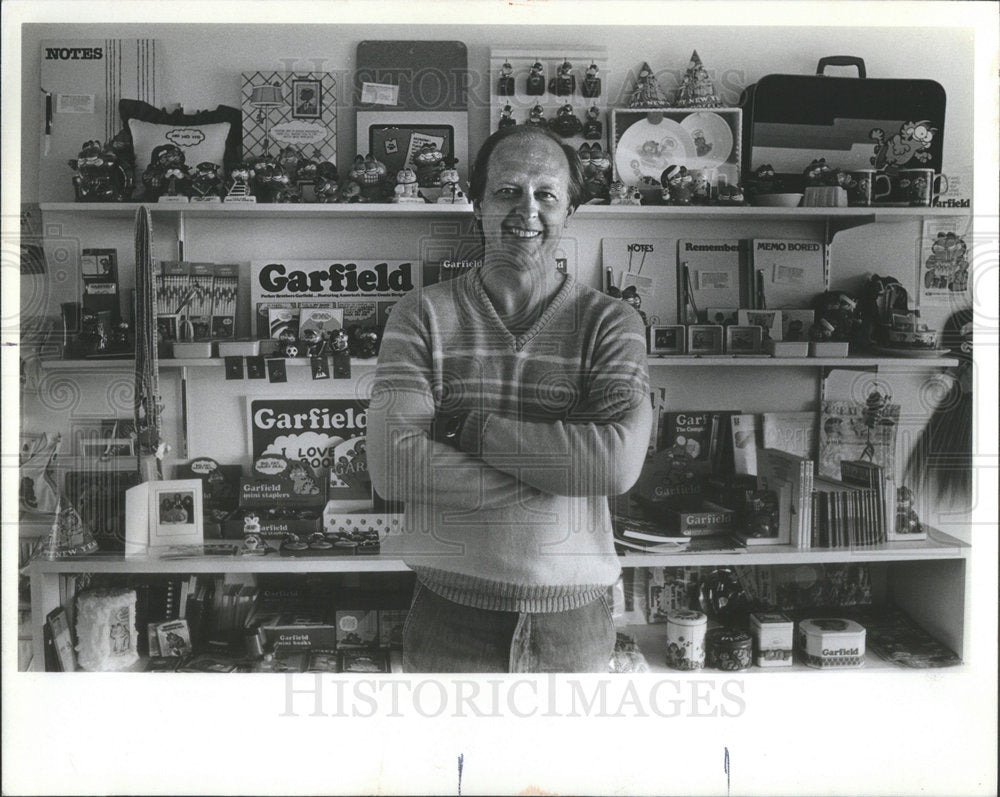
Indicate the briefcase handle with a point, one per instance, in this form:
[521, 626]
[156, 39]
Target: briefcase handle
[841, 60]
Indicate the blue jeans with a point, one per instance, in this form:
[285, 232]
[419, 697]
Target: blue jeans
[443, 636]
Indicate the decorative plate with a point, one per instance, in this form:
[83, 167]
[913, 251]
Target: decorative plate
[646, 149]
[712, 138]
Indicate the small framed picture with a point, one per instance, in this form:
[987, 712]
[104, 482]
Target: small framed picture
[768, 320]
[307, 99]
[165, 513]
[666, 339]
[726, 316]
[704, 339]
[795, 324]
[744, 339]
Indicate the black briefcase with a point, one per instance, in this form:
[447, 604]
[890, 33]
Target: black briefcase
[853, 123]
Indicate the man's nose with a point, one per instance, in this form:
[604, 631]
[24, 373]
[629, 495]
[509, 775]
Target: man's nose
[528, 205]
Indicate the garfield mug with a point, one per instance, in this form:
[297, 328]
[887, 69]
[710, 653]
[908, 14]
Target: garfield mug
[863, 189]
[920, 187]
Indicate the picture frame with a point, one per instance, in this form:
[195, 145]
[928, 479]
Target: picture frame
[704, 339]
[666, 339]
[795, 324]
[307, 98]
[768, 320]
[744, 339]
[163, 514]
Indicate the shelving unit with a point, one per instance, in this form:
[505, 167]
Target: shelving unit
[926, 578]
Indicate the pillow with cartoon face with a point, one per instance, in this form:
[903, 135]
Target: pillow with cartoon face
[213, 136]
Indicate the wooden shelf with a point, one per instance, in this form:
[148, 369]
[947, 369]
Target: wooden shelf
[938, 545]
[853, 216]
[852, 361]
[210, 362]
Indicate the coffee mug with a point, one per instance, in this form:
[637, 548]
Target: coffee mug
[921, 186]
[863, 189]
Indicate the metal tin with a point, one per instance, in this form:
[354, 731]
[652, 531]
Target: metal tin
[773, 639]
[686, 639]
[831, 642]
[726, 649]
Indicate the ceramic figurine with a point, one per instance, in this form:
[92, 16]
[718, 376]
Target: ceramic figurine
[622, 194]
[406, 187]
[178, 183]
[285, 191]
[536, 80]
[206, 185]
[265, 172]
[349, 192]
[326, 187]
[339, 341]
[363, 342]
[592, 126]
[288, 344]
[506, 118]
[369, 173]
[838, 317]
[630, 295]
[817, 172]
[100, 177]
[566, 124]
[314, 340]
[597, 172]
[591, 86]
[289, 159]
[451, 190]
[305, 170]
[679, 184]
[730, 194]
[536, 117]
[583, 152]
[164, 158]
[564, 83]
[430, 163]
[505, 83]
[239, 187]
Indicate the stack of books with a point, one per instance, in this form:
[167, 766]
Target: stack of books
[850, 512]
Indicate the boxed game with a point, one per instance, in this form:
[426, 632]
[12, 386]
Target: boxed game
[357, 628]
[300, 631]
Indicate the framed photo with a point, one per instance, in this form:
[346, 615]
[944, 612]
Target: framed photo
[666, 339]
[768, 320]
[161, 514]
[307, 99]
[726, 316]
[704, 339]
[744, 339]
[795, 324]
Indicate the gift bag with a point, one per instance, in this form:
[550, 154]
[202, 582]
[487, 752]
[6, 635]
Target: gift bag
[38, 493]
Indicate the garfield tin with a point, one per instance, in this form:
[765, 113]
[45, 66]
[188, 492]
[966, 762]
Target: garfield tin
[686, 639]
[726, 649]
[831, 642]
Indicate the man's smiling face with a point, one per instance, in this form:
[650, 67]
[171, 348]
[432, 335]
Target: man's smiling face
[526, 201]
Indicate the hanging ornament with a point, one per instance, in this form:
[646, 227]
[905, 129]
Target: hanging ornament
[592, 126]
[536, 80]
[536, 117]
[505, 83]
[697, 89]
[591, 86]
[564, 83]
[506, 117]
[566, 124]
[646, 93]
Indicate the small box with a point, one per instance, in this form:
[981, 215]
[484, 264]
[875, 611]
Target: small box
[707, 520]
[787, 348]
[357, 628]
[239, 348]
[300, 631]
[831, 642]
[192, 350]
[390, 627]
[364, 661]
[773, 638]
[303, 524]
[828, 348]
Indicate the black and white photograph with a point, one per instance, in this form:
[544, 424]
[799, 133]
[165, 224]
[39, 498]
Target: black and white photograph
[683, 483]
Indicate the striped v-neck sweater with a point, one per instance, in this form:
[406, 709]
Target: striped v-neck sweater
[558, 419]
